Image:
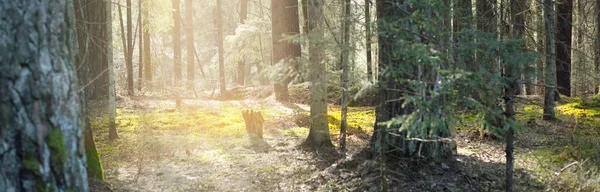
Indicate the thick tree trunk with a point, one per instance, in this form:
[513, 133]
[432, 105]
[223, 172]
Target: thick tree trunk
[564, 18]
[285, 22]
[550, 68]
[368, 40]
[189, 37]
[390, 106]
[94, 167]
[93, 19]
[41, 140]
[318, 136]
[177, 42]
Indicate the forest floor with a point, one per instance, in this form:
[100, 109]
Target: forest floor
[203, 146]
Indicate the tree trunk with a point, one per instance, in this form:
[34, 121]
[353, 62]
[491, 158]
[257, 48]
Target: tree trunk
[222, 85]
[463, 24]
[368, 40]
[129, 52]
[98, 65]
[176, 42]
[540, 45]
[318, 137]
[189, 33]
[564, 19]
[94, 167]
[597, 47]
[285, 22]
[517, 10]
[241, 68]
[147, 48]
[41, 145]
[390, 106]
[550, 68]
[345, 65]
[140, 46]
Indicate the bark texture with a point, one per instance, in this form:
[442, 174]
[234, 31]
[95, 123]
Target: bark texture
[285, 22]
[564, 21]
[318, 136]
[550, 68]
[94, 167]
[91, 16]
[41, 140]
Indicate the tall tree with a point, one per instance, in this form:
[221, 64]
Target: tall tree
[517, 10]
[285, 22]
[140, 46]
[97, 88]
[345, 67]
[189, 37]
[368, 39]
[147, 45]
[318, 135]
[83, 65]
[241, 76]
[176, 42]
[222, 85]
[42, 140]
[597, 46]
[463, 26]
[540, 45]
[564, 20]
[129, 47]
[550, 68]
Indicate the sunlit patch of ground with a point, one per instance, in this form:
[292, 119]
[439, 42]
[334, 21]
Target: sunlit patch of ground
[203, 146]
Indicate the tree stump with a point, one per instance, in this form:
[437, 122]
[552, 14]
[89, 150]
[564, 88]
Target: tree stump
[254, 124]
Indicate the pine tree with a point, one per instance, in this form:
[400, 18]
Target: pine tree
[550, 68]
[318, 136]
[42, 136]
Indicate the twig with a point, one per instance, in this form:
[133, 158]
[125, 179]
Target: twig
[565, 168]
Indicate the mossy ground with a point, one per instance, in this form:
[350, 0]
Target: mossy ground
[543, 148]
[203, 146]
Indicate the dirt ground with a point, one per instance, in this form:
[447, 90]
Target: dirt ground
[202, 146]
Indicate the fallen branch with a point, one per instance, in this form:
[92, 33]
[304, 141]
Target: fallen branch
[557, 173]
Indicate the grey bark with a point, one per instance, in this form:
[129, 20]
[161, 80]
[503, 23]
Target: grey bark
[318, 136]
[41, 140]
[345, 67]
[550, 68]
